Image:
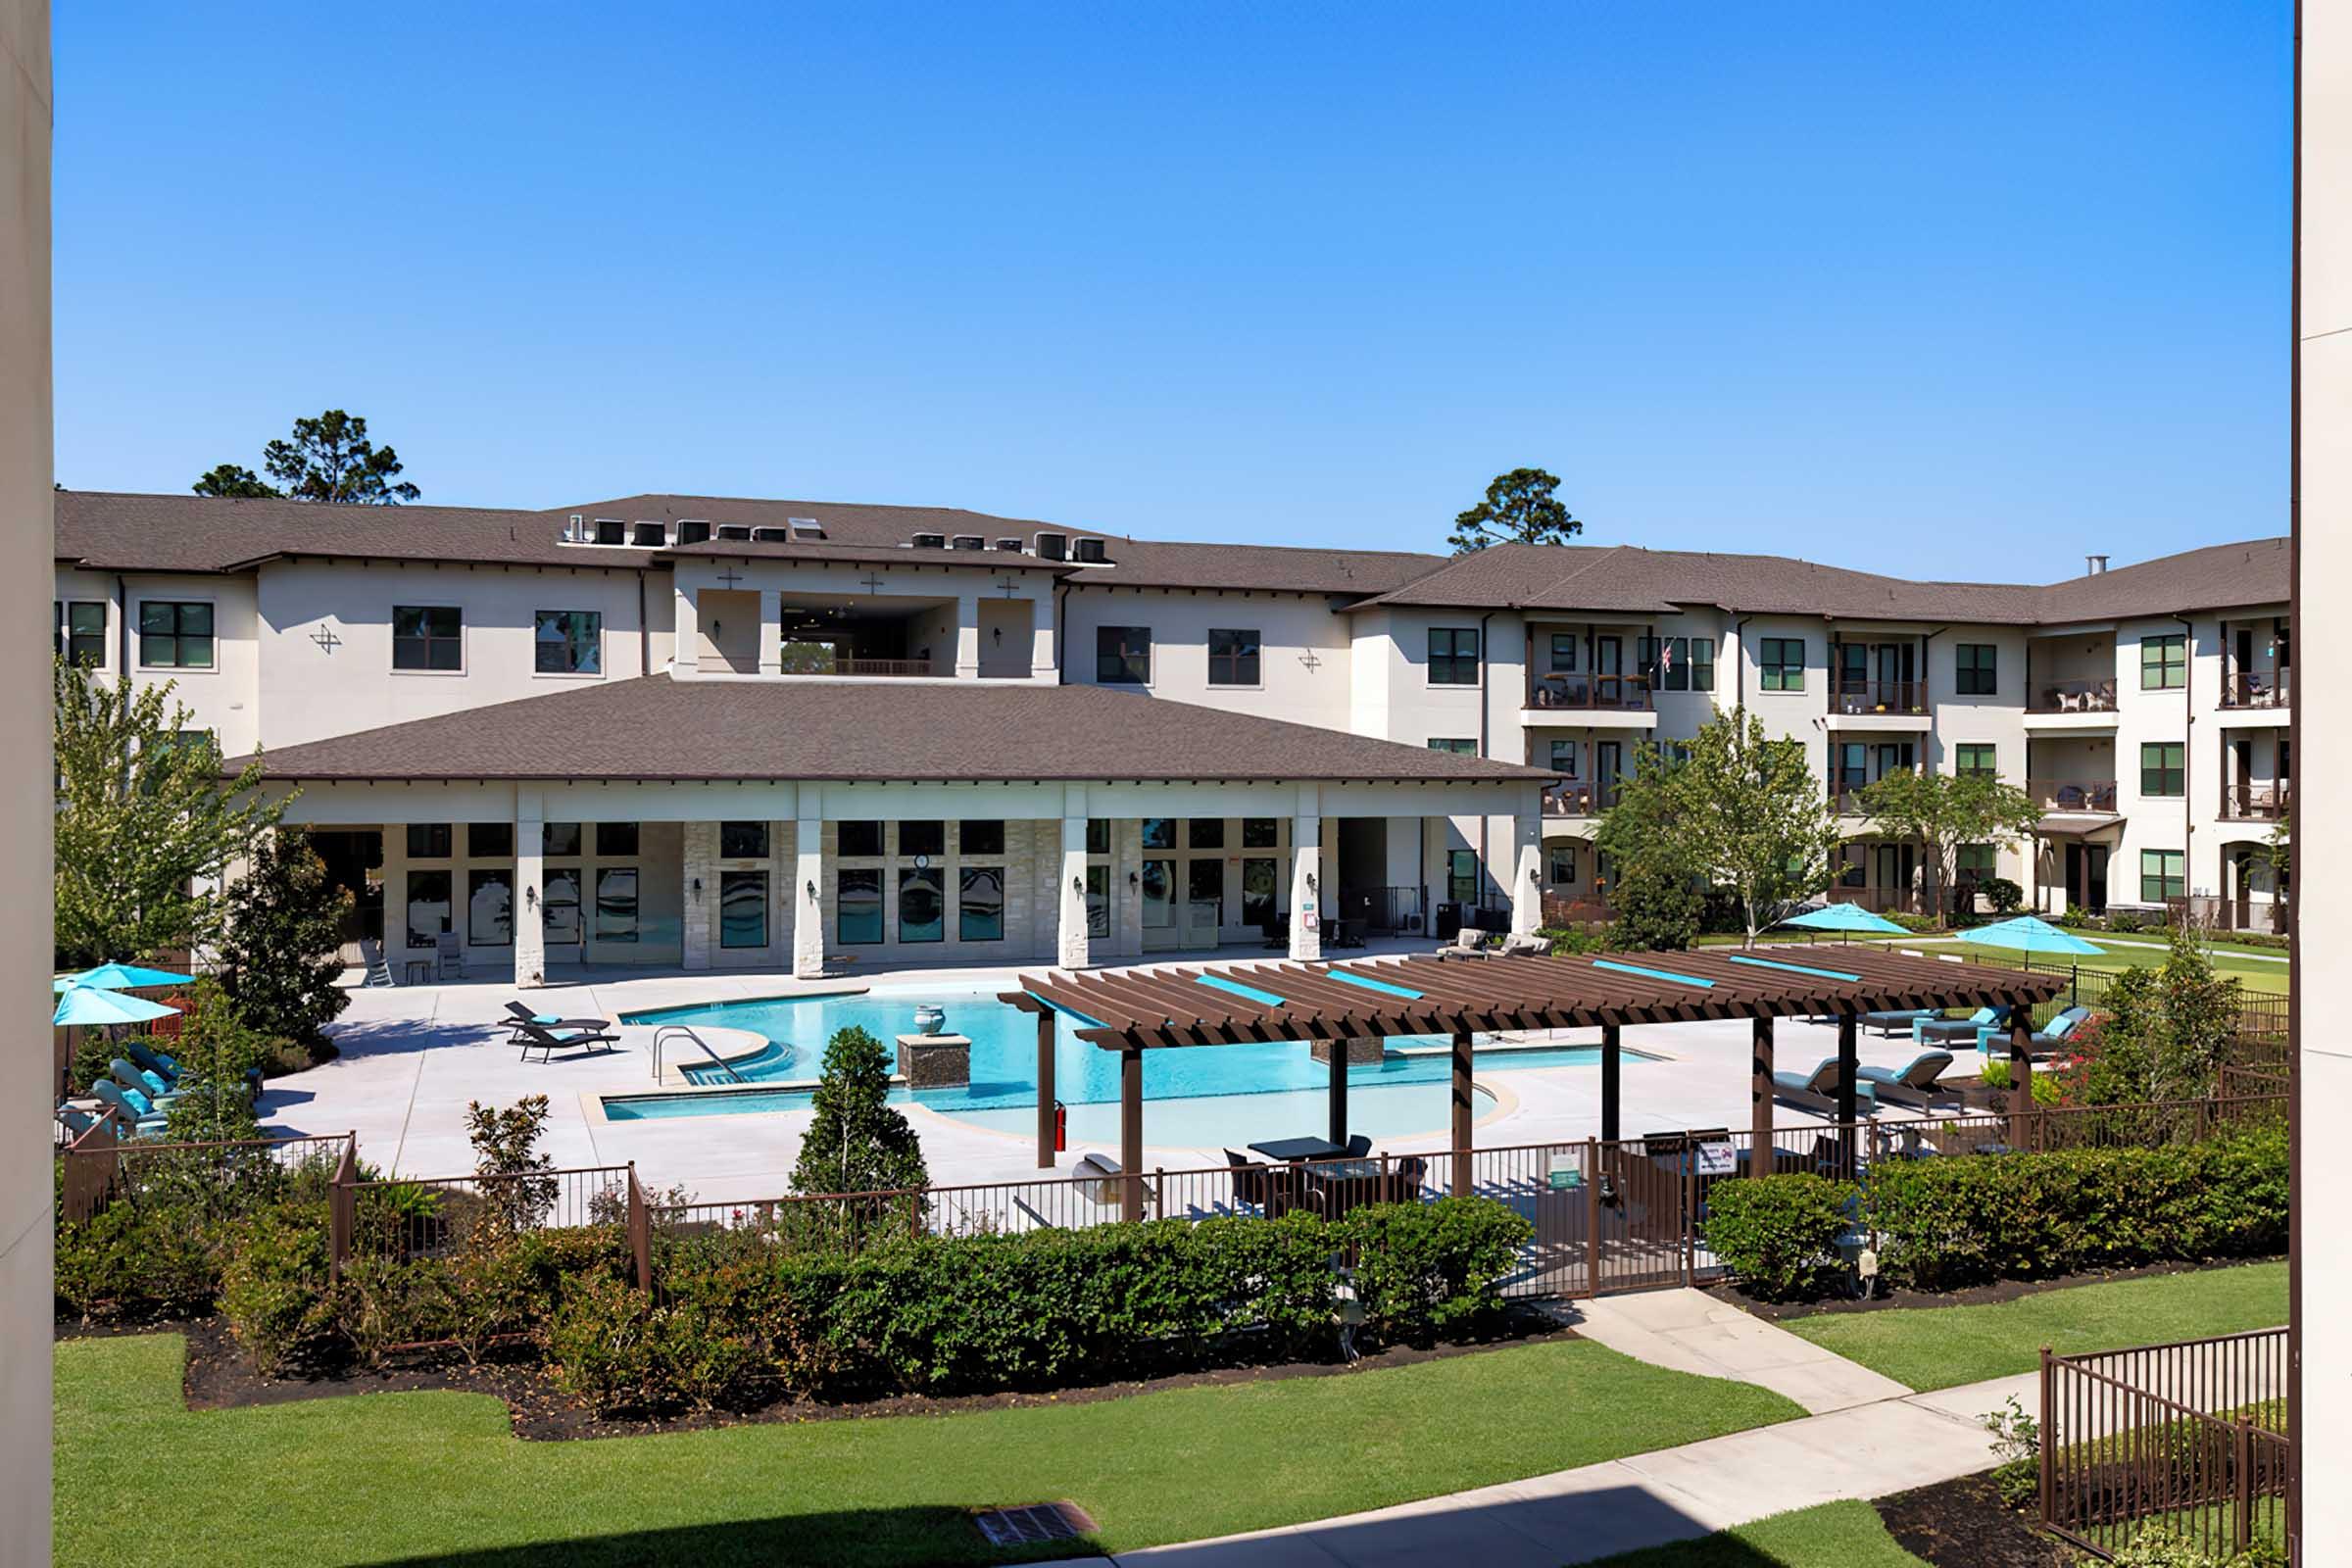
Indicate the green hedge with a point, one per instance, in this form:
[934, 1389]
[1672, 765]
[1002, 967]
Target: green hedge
[1779, 1233]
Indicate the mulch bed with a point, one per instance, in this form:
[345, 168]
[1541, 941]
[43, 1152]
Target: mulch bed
[220, 1377]
[1964, 1524]
[1974, 1296]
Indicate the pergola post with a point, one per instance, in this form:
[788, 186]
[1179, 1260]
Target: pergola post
[1462, 1107]
[1045, 1089]
[1849, 1030]
[1611, 1101]
[1760, 1159]
[1131, 1132]
[2021, 1073]
[1339, 1091]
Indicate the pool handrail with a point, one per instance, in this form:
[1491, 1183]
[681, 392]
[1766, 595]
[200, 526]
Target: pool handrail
[663, 1032]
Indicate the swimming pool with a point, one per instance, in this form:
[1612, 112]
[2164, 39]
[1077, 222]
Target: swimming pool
[1196, 1099]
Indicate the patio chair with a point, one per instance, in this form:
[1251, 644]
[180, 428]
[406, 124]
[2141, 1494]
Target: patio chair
[74, 1120]
[1359, 1145]
[1817, 1090]
[1913, 1083]
[372, 961]
[1405, 1178]
[2070, 798]
[547, 1041]
[163, 1066]
[1938, 1031]
[1900, 1022]
[2047, 1041]
[1525, 945]
[449, 958]
[130, 1110]
[161, 1094]
[1468, 943]
[518, 1015]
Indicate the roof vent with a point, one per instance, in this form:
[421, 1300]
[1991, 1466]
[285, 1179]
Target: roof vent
[1012, 546]
[805, 527]
[1087, 550]
[772, 536]
[930, 541]
[970, 541]
[2093, 565]
[577, 530]
[1052, 546]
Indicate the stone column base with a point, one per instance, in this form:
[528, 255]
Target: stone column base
[935, 1062]
[1359, 1052]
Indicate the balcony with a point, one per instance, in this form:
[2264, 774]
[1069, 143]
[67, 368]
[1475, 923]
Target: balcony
[1572, 799]
[2071, 697]
[2248, 801]
[2073, 794]
[1590, 694]
[2270, 688]
[1905, 700]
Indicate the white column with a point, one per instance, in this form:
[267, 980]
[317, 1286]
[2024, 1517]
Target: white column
[1073, 949]
[1306, 875]
[807, 886]
[1527, 852]
[967, 637]
[698, 872]
[686, 645]
[771, 631]
[526, 916]
[1041, 637]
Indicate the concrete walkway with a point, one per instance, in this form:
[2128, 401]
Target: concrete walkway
[1692, 1331]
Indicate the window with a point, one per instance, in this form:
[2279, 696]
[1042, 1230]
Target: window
[1563, 759]
[617, 838]
[1563, 652]
[1974, 761]
[426, 637]
[2164, 768]
[1702, 664]
[1564, 862]
[429, 906]
[1097, 900]
[428, 841]
[82, 633]
[2163, 874]
[1977, 674]
[1232, 657]
[1783, 662]
[616, 902]
[1453, 656]
[1461, 876]
[569, 642]
[1261, 902]
[559, 908]
[1159, 832]
[1459, 747]
[744, 841]
[490, 841]
[858, 907]
[743, 909]
[924, 837]
[1123, 656]
[1206, 832]
[560, 839]
[982, 837]
[1097, 835]
[923, 905]
[175, 635]
[2163, 664]
[1260, 832]
[980, 904]
[1977, 862]
[860, 838]
[490, 908]
[1645, 658]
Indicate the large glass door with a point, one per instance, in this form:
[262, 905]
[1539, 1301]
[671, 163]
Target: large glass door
[1261, 894]
[1204, 901]
[1158, 892]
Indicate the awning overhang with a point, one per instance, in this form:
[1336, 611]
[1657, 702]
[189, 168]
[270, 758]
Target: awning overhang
[2080, 825]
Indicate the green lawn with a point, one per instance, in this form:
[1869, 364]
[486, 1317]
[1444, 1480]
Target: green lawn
[1833, 1535]
[386, 1478]
[1938, 1347]
[2252, 973]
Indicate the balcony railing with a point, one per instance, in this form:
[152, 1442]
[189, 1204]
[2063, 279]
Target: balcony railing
[1589, 692]
[2071, 697]
[2072, 794]
[2269, 689]
[1571, 799]
[2248, 801]
[1860, 697]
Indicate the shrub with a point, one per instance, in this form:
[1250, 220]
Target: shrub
[2017, 1445]
[1964, 1221]
[1427, 1270]
[2002, 894]
[611, 1346]
[1995, 1075]
[857, 1142]
[1779, 1233]
[274, 1291]
[136, 1259]
[2159, 1547]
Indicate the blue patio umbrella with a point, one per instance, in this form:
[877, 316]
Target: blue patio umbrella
[1846, 919]
[118, 977]
[94, 1004]
[2029, 935]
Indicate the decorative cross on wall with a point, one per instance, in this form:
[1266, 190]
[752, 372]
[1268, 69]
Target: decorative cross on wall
[327, 639]
[730, 577]
[873, 582]
[1010, 588]
[1309, 659]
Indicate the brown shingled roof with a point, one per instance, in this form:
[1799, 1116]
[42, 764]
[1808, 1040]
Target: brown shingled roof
[2260, 571]
[659, 728]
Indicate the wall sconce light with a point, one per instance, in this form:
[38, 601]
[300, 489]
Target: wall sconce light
[996, 634]
[1078, 886]
[530, 898]
[1133, 880]
[698, 886]
[811, 893]
[1310, 881]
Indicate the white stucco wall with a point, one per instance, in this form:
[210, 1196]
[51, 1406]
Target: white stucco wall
[1304, 649]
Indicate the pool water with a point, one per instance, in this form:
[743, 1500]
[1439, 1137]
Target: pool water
[1197, 1098]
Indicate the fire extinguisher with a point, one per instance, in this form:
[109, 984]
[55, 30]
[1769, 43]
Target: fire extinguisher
[1061, 1127]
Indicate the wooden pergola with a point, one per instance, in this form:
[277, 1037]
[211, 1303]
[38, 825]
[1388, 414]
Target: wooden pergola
[1138, 1009]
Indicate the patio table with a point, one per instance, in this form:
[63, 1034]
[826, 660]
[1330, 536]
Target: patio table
[1291, 1149]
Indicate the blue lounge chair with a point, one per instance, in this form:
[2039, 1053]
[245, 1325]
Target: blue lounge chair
[130, 1110]
[154, 1061]
[145, 1082]
[1914, 1082]
[1938, 1030]
[1898, 1023]
[1817, 1090]
[2047, 1041]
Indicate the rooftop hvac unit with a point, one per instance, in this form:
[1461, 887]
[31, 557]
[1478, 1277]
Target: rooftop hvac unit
[806, 528]
[1014, 545]
[772, 536]
[737, 531]
[694, 530]
[1088, 550]
[609, 531]
[970, 541]
[649, 533]
[930, 541]
[1052, 546]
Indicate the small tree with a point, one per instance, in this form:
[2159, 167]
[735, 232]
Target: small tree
[506, 1147]
[1519, 509]
[1748, 814]
[2167, 1033]
[1943, 812]
[858, 1144]
[280, 950]
[143, 816]
[218, 1051]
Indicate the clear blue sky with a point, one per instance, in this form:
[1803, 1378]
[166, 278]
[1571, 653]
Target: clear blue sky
[1945, 290]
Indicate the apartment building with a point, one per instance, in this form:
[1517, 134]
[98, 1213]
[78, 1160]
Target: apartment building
[732, 733]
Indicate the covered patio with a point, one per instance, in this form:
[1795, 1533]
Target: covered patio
[1339, 1005]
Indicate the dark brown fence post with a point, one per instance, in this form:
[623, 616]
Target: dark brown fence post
[342, 1204]
[2242, 1491]
[2046, 1426]
[1591, 1216]
[641, 1233]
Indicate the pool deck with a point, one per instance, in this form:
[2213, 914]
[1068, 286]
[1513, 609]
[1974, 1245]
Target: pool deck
[413, 1056]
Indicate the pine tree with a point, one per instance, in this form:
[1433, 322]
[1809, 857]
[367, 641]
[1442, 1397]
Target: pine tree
[858, 1144]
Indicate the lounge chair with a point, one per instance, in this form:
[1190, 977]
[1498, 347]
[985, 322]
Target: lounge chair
[130, 1110]
[74, 1120]
[1913, 1083]
[2047, 1041]
[1525, 944]
[1817, 1090]
[1898, 1023]
[145, 1082]
[1468, 943]
[547, 1041]
[163, 1066]
[1938, 1031]
[519, 1015]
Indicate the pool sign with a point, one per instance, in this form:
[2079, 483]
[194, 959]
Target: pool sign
[1567, 1172]
[1717, 1159]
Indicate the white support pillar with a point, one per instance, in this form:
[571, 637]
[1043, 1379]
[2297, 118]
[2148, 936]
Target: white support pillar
[525, 915]
[1041, 637]
[686, 646]
[771, 632]
[1306, 875]
[698, 872]
[807, 886]
[967, 636]
[1073, 949]
[1527, 863]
